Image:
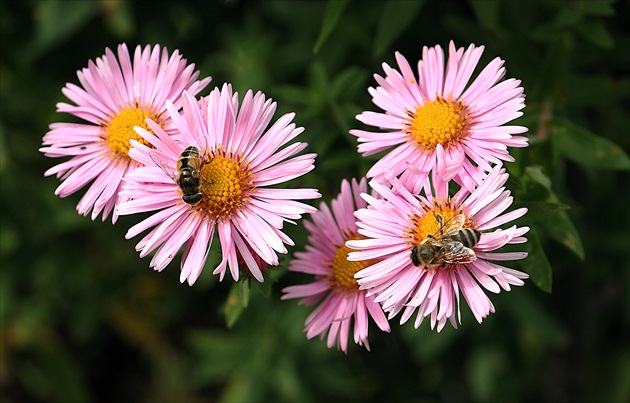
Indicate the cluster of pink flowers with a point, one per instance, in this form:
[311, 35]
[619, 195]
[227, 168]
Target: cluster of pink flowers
[203, 165]
[427, 229]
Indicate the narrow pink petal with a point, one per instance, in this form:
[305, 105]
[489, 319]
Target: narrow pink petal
[196, 254]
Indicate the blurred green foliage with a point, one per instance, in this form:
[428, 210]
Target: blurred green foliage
[84, 319]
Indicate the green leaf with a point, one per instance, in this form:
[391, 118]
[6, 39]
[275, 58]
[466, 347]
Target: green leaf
[244, 288]
[538, 211]
[608, 92]
[567, 17]
[265, 288]
[427, 345]
[554, 67]
[347, 82]
[560, 227]
[538, 175]
[52, 373]
[219, 353]
[120, 20]
[328, 91]
[56, 20]
[536, 264]
[612, 371]
[236, 302]
[596, 33]
[5, 157]
[599, 7]
[483, 364]
[540, 325]
[334, 9]
[588, 149]
[395, 19]
[487, 12]
[240, 389]
[551, 213]
[294, 94]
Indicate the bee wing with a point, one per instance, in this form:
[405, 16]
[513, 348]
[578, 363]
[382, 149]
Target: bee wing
[454, 224]
[164, 163]
[439, 218]
[455, 252]
[202, 145]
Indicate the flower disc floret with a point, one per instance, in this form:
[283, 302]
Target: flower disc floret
[426, 224]
[243, 162]
[117, 93]
[226, 184]
[119, 130]
[342, 270]
[394, 223]
[438, 115]
[437, 122]
[341, 303]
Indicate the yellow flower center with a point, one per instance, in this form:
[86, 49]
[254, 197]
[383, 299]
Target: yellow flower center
[437, 122]
[119, 130]
[427, 223]
[343, 271]
[225, 184]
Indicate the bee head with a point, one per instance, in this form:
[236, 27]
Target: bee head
[422, 255]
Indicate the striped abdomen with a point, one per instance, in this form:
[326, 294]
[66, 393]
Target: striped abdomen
[467, 236]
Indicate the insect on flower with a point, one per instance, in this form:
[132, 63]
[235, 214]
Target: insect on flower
[451, 244]
[226, 163]
[117, 94]
[187, 174]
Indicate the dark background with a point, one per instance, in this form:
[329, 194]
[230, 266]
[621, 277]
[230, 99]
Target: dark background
[83, 318]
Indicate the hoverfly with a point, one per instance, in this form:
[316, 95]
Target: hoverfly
[187, 174]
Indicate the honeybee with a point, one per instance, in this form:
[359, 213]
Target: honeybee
[188, 172]
[450, 244]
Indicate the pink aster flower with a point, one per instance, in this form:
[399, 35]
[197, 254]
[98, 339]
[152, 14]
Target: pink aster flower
[116, 94]
[399, 229]
[240, 160]
[439, 115]
[335, 285]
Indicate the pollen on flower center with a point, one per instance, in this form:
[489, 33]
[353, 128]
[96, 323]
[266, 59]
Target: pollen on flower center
[441, 121]
[438, 238]
[119, 130]
[225, 185]
[427, 223]
[343, 271]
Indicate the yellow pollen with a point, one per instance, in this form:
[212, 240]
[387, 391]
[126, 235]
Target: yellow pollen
[225, 185]
[427, 224]
[119, 130]
[343, 271]
[437, 122]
